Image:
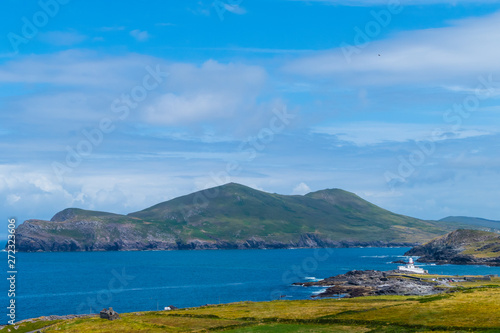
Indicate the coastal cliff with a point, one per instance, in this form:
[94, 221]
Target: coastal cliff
[231, 216]
[461, 247]
[36, 236]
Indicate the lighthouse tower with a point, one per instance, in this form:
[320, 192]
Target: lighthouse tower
[411, 268]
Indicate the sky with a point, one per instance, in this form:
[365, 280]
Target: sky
[119, 106]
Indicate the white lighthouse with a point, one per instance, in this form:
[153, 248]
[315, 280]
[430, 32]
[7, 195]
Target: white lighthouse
[411, 268]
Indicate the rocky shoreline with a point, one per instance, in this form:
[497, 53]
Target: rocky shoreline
[230, 216]
[457, 260]
[31, 237]
[461, 247]
[374, 283]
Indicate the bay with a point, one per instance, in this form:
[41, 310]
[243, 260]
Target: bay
[85, 282]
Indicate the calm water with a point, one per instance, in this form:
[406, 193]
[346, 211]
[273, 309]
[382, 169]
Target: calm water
[69, 283]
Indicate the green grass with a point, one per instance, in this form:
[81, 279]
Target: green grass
[467, 310]
[433, 298]
[299, 328]
[28, 326]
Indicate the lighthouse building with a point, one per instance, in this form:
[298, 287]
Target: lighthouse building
[411, 268]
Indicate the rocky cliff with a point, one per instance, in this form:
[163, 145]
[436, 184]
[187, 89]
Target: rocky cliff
[96, 235]
[461, 247]
[373, 283]
[231, 216]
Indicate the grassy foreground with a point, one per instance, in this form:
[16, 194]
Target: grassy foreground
[475, 308]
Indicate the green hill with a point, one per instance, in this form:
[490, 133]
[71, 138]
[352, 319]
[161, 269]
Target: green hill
[473, 221]
[231, 216]
[240, 212]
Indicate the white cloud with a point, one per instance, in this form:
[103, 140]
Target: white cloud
[369, 133]
[301, 189]
[449, 55]
[77, 68]
[139, 35]
[211, 91]
[490, 91]
[46, 108]
[13, 198]
[39, 195]
[235, 9]
[371, 3]
[172, 109]
[91, 82]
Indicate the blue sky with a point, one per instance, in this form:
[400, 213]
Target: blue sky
[117, 107]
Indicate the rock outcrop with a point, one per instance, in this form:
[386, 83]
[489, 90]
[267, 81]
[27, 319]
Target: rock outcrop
[461, 247]
[94, 235]
[371, 283]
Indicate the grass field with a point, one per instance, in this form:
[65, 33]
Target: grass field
[462, 309]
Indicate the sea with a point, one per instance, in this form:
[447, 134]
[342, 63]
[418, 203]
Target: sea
[62, 283]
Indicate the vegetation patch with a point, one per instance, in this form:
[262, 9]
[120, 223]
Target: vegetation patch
[28, 326]
[433, 298]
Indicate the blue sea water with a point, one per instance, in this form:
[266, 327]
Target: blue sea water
[83, 282]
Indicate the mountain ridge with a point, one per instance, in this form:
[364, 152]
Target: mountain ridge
[473, 221]
[231, 216]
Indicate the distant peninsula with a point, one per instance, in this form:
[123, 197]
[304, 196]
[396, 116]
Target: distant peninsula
[462, 247]
[474, 221]
[232, 216]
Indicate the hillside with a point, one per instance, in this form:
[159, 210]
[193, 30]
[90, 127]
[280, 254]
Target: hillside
[463, 246]
[473, 221]
[83, 230]
[231, 216]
